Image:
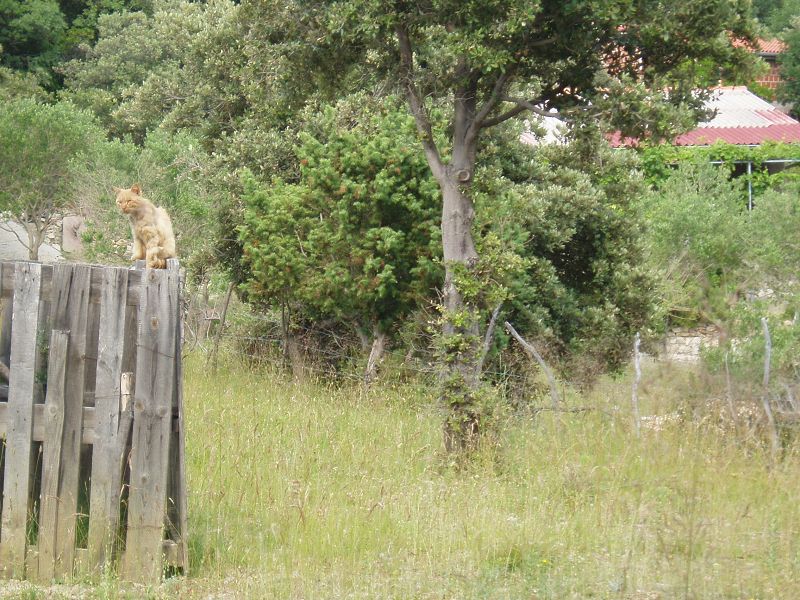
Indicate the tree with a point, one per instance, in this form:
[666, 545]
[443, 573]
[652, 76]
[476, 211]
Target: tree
[354, 239]
[174, 68]
[572, 214]
[789, 61]
[40, 145]
[491, 62]
[697, 239]
[31, 35]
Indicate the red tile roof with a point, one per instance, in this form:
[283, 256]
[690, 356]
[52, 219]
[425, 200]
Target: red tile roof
[773, 46]
[741, 118]
[743, 136]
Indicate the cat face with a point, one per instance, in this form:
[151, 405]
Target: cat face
[128, 200]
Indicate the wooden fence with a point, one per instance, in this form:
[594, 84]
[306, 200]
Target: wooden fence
[89, 479]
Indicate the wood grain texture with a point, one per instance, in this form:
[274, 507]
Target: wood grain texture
[51, 454]
[70, 311]
[7, 275]
[152, 406]
[106, 478]
[177, 515]
[19, 436]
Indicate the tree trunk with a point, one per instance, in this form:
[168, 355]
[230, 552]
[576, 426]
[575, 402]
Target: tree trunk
[375, 355]
[292, 356]
[461, 344]
[35, 237]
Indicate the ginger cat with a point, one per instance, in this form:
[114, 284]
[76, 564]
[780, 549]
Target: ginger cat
[151, 227]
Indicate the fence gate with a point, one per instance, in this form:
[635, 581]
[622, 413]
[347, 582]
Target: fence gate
[92, 457]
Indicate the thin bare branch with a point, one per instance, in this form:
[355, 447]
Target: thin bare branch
[531, 107]
[489, 336]
[773, 429]
[416, 102]
[532, 352]
[5, 227]
[521, 107]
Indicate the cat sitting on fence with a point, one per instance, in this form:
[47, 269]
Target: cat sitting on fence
[151, 227]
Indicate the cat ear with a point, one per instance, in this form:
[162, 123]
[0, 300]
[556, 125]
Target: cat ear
[136, 188]
[116, 190]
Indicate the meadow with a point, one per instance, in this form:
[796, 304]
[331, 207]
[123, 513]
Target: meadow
[307, 490]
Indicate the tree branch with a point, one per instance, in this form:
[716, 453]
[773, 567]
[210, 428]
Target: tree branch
[13, 231]
[521, 106]
[532, 352]
[488, 337]
[416, 102]
[491, 102]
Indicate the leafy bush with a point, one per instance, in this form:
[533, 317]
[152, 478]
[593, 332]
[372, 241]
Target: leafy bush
[355, 238]
[697, 238]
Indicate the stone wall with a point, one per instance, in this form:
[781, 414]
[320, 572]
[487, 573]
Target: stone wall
[685, 345]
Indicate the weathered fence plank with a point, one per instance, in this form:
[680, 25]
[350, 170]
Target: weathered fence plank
[152, 424]
[178, 500]
[70, 311]
[132, 296]
[99, 323]
[16, 479]
[106, 475]
[51, 454]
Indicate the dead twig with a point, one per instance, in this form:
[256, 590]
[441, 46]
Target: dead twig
[773, 430]
[637, 421]
[532, 352]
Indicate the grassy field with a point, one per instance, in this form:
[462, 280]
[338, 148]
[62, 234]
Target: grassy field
[308, 491]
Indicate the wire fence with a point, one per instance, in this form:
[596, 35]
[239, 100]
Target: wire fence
[329, 351]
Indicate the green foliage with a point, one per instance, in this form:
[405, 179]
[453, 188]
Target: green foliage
[40, 148]
[570, 216]
[745, 356]
[83, 17]
[31, 36]
[356, 238]
[133, 76]
[789, 61]
[172, 170]
[659, 161]
[776, 15]
[697, 237]
[774, 225]
[18, 84]
[554, 53]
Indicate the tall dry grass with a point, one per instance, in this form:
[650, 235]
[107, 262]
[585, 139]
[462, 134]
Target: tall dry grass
[313, 491]
[308, 491]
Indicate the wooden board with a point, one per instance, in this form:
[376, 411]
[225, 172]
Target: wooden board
[7, 282]
[152, 425]
[70, 312]
[177, 515]
[106, 478]
[51, 455]
[19, 437]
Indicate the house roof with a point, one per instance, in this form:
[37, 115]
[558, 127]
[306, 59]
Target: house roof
[773, 46]
[741, 118]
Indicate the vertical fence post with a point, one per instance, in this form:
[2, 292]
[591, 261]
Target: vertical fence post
[19, 438]
[178, 499]
[637, 420]
[51, 454]
[152, 406]
[70, 311]
[106, 478]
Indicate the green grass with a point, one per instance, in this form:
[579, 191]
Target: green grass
[308, 491]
